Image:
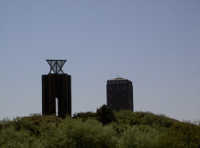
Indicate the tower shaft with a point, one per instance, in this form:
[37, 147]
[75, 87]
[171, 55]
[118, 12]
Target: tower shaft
[120, 94]
[56, 86]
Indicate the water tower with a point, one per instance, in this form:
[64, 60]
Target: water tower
[56, 90]
[120, 94]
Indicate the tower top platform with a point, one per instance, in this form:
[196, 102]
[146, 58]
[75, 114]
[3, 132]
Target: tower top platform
[56, 65]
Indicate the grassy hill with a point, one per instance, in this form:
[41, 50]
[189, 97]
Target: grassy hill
[103, 129]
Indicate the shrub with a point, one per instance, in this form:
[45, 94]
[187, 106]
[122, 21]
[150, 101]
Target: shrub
[105, 115]
[140, 137]
[74, 133]
[84, 116]
[115, 130]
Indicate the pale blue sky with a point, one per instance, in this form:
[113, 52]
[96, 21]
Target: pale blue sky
[154, 43]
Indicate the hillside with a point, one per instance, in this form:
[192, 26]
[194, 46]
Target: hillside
[103, 129]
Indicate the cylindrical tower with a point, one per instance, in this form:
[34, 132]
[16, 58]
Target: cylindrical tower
[120, 94]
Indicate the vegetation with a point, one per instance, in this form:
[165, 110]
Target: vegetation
[103, 129]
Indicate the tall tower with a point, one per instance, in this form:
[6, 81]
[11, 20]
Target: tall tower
[120, 94]
[56, 90]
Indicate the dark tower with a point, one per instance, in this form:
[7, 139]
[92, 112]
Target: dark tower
[56, 85]
[120, 94]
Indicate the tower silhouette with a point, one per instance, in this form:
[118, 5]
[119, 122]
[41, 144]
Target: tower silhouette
[120, 94]
[56, 85]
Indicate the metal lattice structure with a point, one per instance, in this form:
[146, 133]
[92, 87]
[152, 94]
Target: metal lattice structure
[56, 66]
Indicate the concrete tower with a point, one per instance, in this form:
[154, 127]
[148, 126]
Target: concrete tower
[56, 90]
[120, 94]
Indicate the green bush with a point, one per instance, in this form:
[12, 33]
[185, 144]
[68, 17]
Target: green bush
[85, 116]
[104, 129]
[74, 133]
[105, 115]
[140, 137]
[10, 138]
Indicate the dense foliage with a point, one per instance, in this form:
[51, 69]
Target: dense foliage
[104, 129]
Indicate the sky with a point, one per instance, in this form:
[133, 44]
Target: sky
[153, 43]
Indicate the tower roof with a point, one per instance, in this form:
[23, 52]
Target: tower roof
[119, 78]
